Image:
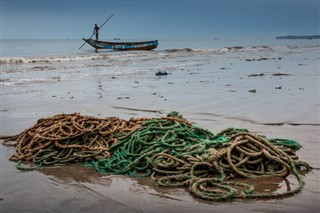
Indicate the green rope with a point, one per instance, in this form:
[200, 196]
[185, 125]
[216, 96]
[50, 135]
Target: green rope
[292, 144]
[131, 155]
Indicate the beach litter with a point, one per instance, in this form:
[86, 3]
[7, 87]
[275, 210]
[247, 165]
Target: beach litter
[161, 73]
[170, 150]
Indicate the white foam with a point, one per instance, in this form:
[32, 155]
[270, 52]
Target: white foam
[18, 60]
[13, 60]
[136, 55]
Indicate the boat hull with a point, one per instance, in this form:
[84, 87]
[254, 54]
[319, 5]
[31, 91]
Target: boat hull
[141, 45]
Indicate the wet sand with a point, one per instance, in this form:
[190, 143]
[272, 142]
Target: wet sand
[214, 96]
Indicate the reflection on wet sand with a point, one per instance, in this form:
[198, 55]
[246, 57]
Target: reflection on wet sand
[108, 184]
[75, 173]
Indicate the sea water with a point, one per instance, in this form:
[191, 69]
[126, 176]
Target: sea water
[30, 62]
[60, 54]
[64, 47]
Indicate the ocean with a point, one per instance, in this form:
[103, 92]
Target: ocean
[64, 47]
[21, 60]
[53, 70]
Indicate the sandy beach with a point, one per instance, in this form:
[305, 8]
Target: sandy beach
[270, 91]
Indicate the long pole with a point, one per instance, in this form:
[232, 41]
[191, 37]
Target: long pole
[94, 33]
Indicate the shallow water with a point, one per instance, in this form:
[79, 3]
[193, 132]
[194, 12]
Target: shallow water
[205, 80]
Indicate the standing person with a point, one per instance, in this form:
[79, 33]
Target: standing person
[96, 31]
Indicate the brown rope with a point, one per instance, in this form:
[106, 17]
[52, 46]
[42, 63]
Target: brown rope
[86, 136]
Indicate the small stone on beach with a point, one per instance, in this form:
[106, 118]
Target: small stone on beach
[256, 75]
[123, 98]
[280, 74]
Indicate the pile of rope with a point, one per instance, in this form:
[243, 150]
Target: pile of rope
[67, 138]
[170, 150]
[212, 175]
[131, 155]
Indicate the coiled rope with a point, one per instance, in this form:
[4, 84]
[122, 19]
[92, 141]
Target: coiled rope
[67, 138]
[170, 150]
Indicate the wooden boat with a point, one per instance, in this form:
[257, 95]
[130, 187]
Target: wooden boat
[140, 45]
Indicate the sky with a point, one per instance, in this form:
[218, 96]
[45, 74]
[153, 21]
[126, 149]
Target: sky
[159, 19]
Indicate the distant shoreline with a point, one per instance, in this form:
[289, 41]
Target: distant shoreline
[298, 37]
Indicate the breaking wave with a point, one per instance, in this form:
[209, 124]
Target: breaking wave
[146, 54]
[19, 60]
